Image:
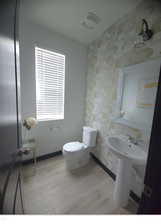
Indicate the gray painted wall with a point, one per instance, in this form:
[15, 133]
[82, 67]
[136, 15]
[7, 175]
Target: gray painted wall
[51, 135]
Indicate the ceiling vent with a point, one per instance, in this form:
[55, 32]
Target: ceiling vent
[91, 21]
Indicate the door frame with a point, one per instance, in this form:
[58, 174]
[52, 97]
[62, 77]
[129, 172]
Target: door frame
[151, 197]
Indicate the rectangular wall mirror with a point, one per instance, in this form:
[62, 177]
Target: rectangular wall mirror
[136, 94]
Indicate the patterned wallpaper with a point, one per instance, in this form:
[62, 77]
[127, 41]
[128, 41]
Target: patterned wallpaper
[114, 49]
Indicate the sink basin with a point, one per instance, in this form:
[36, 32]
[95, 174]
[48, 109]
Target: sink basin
[127, 154]
[126, 150]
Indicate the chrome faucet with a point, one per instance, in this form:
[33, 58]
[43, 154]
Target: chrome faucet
[132, 140]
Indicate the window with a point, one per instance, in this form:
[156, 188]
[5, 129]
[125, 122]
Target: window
[50, 80]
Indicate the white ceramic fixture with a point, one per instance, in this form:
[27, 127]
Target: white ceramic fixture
[127, 154]
[77, 154]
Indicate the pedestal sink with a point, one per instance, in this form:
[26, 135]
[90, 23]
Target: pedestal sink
[127, 154]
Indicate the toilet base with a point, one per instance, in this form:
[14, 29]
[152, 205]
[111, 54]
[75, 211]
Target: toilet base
[76, 160]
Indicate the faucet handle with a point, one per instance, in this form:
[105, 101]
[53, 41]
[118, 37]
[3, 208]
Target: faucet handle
[129, 137]
[132, 140]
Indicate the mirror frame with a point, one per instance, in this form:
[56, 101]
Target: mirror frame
[118, 118]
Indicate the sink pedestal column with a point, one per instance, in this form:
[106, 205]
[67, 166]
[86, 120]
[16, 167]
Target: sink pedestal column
[123, 182]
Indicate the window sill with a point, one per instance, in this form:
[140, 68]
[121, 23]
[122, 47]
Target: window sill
[47, 120]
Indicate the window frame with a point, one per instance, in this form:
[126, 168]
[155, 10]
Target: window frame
[64, 86]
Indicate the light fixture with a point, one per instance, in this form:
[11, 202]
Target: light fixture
[144, 35]
[91, 21]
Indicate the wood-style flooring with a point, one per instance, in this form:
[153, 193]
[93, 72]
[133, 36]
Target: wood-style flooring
[54, 190]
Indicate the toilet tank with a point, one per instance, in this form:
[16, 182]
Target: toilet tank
[89, 136]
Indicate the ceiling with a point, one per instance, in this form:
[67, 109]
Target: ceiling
[65, 16]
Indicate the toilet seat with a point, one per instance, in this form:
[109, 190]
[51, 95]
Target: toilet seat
[74, 146]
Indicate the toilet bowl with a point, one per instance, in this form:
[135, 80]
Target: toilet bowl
[77, 154]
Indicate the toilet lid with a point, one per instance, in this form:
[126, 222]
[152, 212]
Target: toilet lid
[73, 146]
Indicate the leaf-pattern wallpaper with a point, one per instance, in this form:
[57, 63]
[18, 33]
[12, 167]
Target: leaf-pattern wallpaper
[114, 49]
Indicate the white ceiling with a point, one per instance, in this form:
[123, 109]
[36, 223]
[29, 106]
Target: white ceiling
[65, 16]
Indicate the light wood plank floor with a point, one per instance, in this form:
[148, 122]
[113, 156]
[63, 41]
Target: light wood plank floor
[54, 190]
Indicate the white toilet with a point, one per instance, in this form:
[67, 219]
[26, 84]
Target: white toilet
[77, 154]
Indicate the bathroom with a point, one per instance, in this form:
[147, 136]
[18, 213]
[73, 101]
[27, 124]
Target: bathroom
[97, 46]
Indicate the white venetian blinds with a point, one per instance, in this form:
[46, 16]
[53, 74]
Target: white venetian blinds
[50, 78]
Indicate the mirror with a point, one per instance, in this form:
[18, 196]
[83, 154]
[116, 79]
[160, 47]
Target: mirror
[136, 94]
